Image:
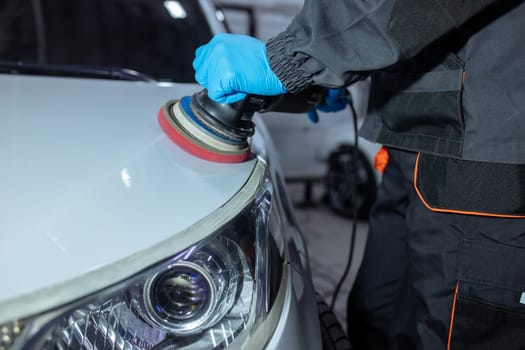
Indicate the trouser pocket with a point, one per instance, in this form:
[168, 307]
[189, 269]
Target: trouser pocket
[480, 325]
[460, 186]
[489, 303]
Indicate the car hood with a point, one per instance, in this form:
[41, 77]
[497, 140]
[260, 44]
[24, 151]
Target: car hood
[89, 178]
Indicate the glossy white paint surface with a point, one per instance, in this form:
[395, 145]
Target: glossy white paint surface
[87, 177]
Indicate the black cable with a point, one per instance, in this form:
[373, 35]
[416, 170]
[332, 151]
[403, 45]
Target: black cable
[354, 211]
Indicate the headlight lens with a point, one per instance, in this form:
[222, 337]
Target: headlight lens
[202, 298]
[191, 294]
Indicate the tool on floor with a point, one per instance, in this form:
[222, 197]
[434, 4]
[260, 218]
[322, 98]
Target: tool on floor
[219, 132]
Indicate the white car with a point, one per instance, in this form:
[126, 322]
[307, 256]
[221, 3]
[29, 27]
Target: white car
[111, 236]
[324, 151]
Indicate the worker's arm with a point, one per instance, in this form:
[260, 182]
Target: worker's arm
[330, 42]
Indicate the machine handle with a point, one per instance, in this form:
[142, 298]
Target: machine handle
[237, 117]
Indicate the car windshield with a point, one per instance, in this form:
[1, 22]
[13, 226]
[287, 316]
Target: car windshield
[155, 37]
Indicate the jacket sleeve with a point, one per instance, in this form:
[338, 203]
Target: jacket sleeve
[335, 42]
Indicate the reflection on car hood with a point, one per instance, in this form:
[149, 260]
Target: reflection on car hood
[88, 177]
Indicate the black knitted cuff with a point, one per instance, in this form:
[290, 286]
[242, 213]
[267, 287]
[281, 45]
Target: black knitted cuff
[285, 66]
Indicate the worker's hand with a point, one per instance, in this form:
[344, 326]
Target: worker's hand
[231, 66]
[334, 100]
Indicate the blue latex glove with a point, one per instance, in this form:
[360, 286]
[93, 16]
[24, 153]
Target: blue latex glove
[334, 100]
[231, 66]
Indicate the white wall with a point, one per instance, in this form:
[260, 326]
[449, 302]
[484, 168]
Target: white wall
[272, 16]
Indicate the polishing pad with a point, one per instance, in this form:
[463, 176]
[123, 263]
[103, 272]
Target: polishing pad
[178, 122]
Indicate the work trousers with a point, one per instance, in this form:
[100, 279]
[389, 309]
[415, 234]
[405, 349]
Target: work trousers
[436, 281]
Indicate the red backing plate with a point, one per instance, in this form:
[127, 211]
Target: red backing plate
[185, 142]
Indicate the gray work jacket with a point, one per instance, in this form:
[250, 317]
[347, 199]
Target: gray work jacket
[448, 76]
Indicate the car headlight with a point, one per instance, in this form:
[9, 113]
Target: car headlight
[213, 294]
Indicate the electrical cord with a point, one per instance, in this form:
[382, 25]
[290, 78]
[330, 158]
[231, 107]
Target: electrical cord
[355, 209]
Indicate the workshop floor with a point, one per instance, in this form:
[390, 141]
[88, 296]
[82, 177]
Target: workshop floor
[328, 238]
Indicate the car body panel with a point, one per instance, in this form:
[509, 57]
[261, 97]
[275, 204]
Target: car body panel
[88, 177]
[93, 192]
[298, 326]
